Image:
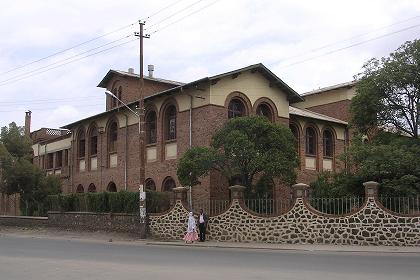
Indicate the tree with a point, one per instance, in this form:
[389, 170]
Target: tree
[18, 174]
[388, 93]
[245, 150]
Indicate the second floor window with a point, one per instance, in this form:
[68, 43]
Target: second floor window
[82, 144]
[93, 149]
[170, 123]
[311, 141]
[151, 127]
[236, 108]
[328, 141]
[112, 138]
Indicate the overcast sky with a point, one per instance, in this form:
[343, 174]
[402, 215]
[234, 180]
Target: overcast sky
[308, 44]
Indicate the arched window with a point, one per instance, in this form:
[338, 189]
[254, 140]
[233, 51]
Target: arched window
[93, 142]
[92, 188]
[111, 187]
[170, 123]
[168, 184]
[113, 99]
[264, 110]
[80, 189]
[328, 143]
[236, 108]
[81, 144]
[151, 127]
[119, 94]
[112, 137]
[150, 184]
[311, 142]
[295, 133]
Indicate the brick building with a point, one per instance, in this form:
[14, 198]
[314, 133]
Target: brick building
[101, 152]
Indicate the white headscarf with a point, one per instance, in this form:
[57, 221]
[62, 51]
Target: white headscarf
[191, 223]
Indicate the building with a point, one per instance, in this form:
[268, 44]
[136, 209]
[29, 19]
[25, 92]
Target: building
[101, 152]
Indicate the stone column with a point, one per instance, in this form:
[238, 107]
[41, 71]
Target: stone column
[237, 192]
[180, 194]
[371, 189]
[300, 190]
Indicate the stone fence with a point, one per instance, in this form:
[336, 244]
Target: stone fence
[372, 224]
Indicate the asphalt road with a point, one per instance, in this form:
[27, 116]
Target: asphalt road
[44, 258]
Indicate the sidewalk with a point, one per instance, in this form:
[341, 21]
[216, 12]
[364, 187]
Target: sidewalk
[291, 247]
[100, 236]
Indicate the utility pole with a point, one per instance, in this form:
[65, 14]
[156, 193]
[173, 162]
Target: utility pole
[142, 158]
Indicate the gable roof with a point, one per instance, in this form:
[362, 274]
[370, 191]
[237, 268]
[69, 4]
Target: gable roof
[111, 73]
[313, 115]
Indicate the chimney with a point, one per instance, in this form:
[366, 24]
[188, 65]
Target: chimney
[151, 68]
[131, 70]
[28, 123]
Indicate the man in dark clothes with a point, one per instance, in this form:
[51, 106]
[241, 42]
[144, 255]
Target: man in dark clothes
[202, 225]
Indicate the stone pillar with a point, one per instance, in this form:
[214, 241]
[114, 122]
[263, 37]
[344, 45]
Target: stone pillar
[371, 189]
[300, 190]
[180, 194]
[237, 192]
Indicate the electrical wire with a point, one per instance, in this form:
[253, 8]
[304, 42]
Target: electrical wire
[51, 108]
[184, 17]
[49, 69]
[347, 47]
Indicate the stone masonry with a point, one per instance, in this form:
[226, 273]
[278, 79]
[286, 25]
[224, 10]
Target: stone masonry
[370, 225]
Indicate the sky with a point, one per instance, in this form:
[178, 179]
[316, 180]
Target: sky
[54, 53]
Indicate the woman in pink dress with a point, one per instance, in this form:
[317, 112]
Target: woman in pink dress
[192, 234]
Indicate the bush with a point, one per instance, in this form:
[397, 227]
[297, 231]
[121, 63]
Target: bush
[106, 202]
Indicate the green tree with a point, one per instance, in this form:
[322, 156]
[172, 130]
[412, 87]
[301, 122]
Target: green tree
[15, 142]
[245, 150]
[388, 92]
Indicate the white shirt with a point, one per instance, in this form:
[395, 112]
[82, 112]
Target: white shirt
[201, 219]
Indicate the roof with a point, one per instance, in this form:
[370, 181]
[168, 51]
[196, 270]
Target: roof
[313, 115]
[111, 72]
[293, 96]
[329, 88]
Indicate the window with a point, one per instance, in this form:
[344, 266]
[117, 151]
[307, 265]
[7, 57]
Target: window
[328, 143]
[81, 145]
[66, 158]
[93, 139]
[236, 108]
[59, 159]
[111, 187]
[170, 123]
[151, 127]
[295, 133]
[311, 141]
[80, 189]
[50, 161]
[119, 95]
[112, 137]
[92, 188]
[150, 185]
[168, 184]
[113, 99]
[264, 110]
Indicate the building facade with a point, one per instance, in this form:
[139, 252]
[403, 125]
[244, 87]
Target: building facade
[101, 152]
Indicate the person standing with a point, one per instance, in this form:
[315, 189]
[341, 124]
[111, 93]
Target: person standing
[202, 225]
[191, 234]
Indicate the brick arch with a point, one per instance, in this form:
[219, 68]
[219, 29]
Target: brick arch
[242, 97]
[334, 138]
[150, 184]
[92, 188]
[112, 187]
[299, 135]
[162, 117]
[80, 189]
[149, 137]
[114, 89]
[317, 143]
[168, 184]
[269, 103]
[93, 128]
[80, 147]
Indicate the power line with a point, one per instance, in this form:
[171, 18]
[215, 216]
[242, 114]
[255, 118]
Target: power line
[174, 14]
[17, 103]
[182, 18]
[163, 9]
[347, 47]
[37, 73]
[66, 59]
[51, 108]
[50, 99]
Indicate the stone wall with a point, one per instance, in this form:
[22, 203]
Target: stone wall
[23, 221]
[372, 224]
[95, 221]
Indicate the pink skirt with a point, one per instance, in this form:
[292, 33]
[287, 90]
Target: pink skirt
[191, 236]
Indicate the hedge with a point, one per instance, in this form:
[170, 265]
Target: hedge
[108, 202]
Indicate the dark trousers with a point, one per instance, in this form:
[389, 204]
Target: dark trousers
[202, 229]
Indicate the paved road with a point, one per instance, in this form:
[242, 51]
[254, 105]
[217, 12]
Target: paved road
[44, 258]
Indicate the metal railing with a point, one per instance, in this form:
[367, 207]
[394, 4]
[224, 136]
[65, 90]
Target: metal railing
[268, 206]
[402, 205]
[336, 205]
[212, 207]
